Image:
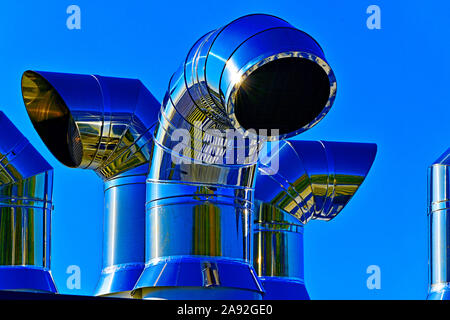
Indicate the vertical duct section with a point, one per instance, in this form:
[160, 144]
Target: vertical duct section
[278, 252]
[104, 124]
[297, 182]
[439, 228]
[26, 182]
[257, 73]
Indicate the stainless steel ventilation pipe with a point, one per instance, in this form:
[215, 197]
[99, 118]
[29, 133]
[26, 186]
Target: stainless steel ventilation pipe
[300, 181]
[439, 228]
[257, 72]
[26, 182]
[104, 124]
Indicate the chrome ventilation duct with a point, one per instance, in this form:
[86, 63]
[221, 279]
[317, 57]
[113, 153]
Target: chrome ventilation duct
[257, 72]
[26, 182]
[297, 182]
[104, 124]
[439, 228]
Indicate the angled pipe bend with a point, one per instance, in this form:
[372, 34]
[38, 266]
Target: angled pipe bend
[91, 121]
[26, 184]
[104, 124]
[257, 72]
[300, 181]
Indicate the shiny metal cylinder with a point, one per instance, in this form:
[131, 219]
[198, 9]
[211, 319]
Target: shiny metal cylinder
[278, 253]
[313, 179]
[198, 238]
[439, 228]
[204, 221]
[257, 73]
[201, 248]
[298, 181]
[105, 124]
[26, 182]
[123, 233]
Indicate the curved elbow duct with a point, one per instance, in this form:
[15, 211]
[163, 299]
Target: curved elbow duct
[104, 124]
[439, 226]
[257, 72]
[326, 176]
[26, 181]
[300, 181]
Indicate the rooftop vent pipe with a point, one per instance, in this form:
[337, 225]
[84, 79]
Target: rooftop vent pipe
[439, 228]
[313, 180]
[104, 124]
[26, 181]
[257, 72]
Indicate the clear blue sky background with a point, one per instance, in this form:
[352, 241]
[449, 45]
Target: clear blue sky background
[392, 90]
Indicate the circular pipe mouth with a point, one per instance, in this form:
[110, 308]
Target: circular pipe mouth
[52, 119]
[289, 93]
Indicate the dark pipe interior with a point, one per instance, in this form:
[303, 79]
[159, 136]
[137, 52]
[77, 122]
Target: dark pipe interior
[51, 119]
[284, 94]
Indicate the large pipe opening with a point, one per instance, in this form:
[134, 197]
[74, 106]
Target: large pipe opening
[52, 119]
[284, 94]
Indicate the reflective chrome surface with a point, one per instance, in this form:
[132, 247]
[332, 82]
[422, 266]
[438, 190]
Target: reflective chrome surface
[91, 121]
[278, 253]
[439, 228]
[297, 182]
[26, 181]
[326, 176]
[105, 124]
[237, 73]
[200, 277]
[203, 225]
[257, 72]
[123, 232]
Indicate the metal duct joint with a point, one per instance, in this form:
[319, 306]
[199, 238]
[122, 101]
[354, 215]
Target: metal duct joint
[439, 226]
[258, 72]
[313, 180]
[104, 124]
[26, 182]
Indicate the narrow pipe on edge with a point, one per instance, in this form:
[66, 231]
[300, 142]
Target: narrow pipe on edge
[439, 228]
[26, 184]
[104, 124]
[258, 72]
[297, 182]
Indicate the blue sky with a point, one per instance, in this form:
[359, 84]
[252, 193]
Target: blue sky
[392, 90]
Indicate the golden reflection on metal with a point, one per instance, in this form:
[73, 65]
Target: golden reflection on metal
[41, 99]
[239, 81]
[277, 243]
[207, 230]
[108, 144]
[51, 118]
[25, 213]
[105, 124]
[21, 222]
[313, 195]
